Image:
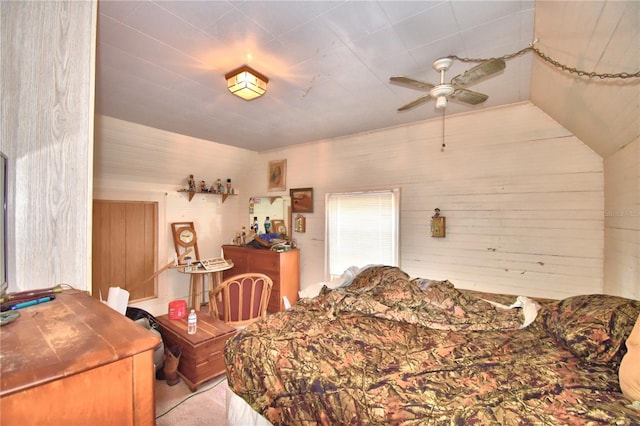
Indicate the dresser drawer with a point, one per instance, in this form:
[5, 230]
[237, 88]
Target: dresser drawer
[266, 263]
[276, 282]
[211, 368]
[240, 264]
[203, 361]
[274, 302]
[207, 350]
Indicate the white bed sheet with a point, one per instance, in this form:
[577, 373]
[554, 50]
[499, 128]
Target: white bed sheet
[239, 413]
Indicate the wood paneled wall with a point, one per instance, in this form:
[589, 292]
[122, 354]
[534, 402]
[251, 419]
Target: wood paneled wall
[523, 199]
[47, 131]
[599, 36]
[622, 222]
[139, 163]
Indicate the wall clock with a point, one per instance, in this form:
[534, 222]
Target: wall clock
[185, 238]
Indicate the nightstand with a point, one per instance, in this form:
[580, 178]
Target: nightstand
[202, 353]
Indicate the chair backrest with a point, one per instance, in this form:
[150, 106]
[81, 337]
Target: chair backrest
[242, 299]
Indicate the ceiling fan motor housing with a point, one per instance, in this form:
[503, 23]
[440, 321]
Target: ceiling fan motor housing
[442, 64]
[442, 90]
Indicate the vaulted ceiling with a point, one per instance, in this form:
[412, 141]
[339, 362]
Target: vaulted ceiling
[162, 64]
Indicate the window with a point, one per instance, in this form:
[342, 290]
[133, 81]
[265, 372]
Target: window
[362, 229]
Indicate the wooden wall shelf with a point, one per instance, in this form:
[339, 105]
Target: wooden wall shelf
[192, 193]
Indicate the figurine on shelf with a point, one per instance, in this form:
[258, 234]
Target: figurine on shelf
[192, 184]
[203, 186]
[219, 187]
[228, 186]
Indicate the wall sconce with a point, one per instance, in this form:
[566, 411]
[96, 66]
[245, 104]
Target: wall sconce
[438, 225]
[246, 83]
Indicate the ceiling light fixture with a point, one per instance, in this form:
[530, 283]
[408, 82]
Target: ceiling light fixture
[246, 83]
[441, 102]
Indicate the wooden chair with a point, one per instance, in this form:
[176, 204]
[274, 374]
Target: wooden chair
[241, 300]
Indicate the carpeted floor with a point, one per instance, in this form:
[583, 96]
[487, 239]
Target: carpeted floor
[177, 405]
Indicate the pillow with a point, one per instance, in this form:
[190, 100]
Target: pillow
[311, 291]
[629, 373]
[593, 327]
[376, 275]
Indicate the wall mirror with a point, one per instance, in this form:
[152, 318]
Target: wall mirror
[277, 208]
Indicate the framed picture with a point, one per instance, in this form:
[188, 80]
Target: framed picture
[277, 175]
[278, 227]
[301, 200]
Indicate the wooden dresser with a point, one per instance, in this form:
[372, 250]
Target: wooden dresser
[75, 361]
[282, 267]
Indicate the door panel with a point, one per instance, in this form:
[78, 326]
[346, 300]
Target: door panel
[124, 247]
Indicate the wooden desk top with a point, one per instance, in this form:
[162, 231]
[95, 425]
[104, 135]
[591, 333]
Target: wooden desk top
[73, 333]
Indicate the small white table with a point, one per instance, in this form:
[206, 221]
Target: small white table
[205, 279]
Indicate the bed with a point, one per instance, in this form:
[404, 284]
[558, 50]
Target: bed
[388, 349]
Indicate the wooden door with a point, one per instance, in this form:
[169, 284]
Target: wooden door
[125, 247]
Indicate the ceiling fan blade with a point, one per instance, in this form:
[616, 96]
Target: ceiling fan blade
[415, 103]
[478, 72]
[469, 97]
[415, 84]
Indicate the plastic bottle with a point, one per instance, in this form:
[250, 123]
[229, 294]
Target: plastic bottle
[267, 225]
[255, 226]
[192, 322]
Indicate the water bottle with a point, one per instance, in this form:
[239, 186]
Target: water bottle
[267, 226]
[192, 322]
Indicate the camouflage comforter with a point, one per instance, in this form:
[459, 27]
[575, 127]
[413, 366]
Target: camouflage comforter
[384, 351]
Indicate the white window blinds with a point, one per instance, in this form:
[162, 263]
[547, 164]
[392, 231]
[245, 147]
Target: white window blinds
[362, 229]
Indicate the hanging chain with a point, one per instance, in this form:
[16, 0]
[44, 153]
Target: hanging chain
[552, 62]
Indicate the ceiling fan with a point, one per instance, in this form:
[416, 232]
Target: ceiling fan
[454, 90]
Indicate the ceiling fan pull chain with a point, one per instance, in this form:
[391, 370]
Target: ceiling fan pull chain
[443, 145]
